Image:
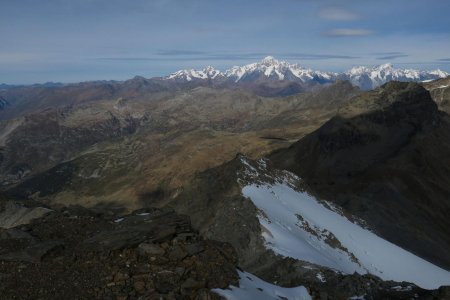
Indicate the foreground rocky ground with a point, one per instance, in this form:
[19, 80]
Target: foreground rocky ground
[78, 253]
[75, 253]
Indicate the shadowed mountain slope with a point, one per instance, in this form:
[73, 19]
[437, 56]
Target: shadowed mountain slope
[385, 158]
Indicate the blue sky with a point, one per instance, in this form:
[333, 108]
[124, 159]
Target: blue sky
[78, 40]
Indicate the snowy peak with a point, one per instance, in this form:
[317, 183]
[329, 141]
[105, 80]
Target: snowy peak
[210, 72]
[189, 75]
[439, 73]
[387, 66]
[269, 60]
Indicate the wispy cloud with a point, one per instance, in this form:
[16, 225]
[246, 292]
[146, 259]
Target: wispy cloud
[129, 59]
[429, 63]
[337, 14]
[233, 56]
[347, 32]
[390, 55]
[310, 56]
[11, 57]
[387, 53]
[177, 52]
[184, 57]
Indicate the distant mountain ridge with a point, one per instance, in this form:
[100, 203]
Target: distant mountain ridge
[271, 69]
[4, 86]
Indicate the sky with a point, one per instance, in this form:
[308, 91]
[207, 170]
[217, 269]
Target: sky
[80, 40]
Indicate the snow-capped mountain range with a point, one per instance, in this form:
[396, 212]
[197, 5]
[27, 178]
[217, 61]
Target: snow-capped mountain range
[369, 78]
[274, 70]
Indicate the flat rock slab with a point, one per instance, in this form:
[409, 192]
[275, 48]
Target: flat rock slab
[14, 214]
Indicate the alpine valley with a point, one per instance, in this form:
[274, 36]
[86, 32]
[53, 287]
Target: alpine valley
[265, 181]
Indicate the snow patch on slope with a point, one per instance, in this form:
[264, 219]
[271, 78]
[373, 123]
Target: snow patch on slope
[295, 224]
[251, 287]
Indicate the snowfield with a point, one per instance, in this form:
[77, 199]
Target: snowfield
[251, 287]
[296, 225]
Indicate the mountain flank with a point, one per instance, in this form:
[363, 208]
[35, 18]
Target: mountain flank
[384, 158]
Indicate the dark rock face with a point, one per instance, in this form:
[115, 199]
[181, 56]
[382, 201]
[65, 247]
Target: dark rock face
[217, 209]
[384, 158]
[76, 253]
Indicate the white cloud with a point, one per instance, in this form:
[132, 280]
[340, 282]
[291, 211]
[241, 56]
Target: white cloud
[344, 32]
[337, 14]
